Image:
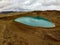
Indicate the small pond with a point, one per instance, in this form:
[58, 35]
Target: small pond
[35, 21]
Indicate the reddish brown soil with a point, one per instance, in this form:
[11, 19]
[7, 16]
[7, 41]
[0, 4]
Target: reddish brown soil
[13, 33]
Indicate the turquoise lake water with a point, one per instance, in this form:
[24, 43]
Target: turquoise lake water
[35, 21]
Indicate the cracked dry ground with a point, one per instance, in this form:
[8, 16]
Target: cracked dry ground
[13, 33]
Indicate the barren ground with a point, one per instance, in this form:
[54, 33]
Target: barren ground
[13, 33]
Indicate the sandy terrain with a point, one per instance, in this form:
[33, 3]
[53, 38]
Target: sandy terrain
[13, 33]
